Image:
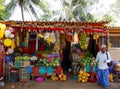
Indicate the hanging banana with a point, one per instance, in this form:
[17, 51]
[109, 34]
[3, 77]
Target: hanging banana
[83, 41]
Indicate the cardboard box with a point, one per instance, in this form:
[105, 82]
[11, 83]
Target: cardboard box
[25, 63]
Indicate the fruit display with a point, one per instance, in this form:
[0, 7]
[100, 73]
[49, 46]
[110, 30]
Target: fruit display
[48, 62]
[83, 41]
[22, 58]
[83, 76]
[111, 76]
[87, 61]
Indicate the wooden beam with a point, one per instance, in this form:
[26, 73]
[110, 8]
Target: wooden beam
[115, 35]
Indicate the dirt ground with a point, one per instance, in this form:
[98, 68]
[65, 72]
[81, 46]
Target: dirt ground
[115, 53]
[49, 84]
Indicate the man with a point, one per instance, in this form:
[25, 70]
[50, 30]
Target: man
[103, 57]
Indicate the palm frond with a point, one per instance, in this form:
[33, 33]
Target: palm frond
[74, 2]
[36, 2]
[65, 3]
[34, 12]
[10, 7]
[44, 6]
[89, 17]
[28, 10]
[3, 15]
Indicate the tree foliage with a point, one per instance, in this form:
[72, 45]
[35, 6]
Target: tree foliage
[76, 10]
[29, 6]
[111, 14]
[3, 13]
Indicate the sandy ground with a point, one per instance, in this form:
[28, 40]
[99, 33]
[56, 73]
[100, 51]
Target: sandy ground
[115, 53]
[49, 84]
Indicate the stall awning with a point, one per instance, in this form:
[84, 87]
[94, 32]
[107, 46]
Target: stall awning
[41, 25]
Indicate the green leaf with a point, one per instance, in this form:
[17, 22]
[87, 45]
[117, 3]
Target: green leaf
[36, 2]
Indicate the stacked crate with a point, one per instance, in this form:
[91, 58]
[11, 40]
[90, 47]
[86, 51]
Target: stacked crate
[14, 75]
[23, 76]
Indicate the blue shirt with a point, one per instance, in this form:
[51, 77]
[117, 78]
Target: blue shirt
[102, 60]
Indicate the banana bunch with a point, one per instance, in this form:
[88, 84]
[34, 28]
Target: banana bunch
[54, 78]
[13, 44]
[18, 41]
[49, 40]
[109, 45]
[56, 46]
[95, 36]
[2, 30]
[41, 35]
[83, 41]
[62, 77]
[83, 76]
[111, 76]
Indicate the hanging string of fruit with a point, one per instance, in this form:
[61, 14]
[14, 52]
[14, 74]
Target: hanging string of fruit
[96, 37]
[41, 35]
[48, 38]
[13, 44]
[27, 39]
[52, 35]
[56, 47]
[76, 40]
[2, 30]
[18, 40]
[70, 37]
[109, 45]
[83, 41]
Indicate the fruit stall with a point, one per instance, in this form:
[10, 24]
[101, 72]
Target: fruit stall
[35, 49]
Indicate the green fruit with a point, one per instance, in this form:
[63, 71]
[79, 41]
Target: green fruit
[84, 64]
[58, 64]
[47, 64]
[87, 64]
[91, 63]
[54, 64]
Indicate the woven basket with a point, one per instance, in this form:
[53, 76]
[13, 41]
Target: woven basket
[117, 67]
